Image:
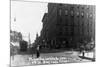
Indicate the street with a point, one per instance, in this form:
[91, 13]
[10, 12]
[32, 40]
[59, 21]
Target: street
[65, 57]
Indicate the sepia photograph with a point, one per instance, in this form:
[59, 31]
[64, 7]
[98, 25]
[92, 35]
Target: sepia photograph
[43, 33]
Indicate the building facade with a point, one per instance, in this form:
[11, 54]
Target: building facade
[15, 37]
[65, 25]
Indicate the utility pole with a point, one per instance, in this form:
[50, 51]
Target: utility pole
[29, 40]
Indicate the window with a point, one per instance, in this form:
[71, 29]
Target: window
[67, 30]
[72, 13]
[87, 7]
[66, 12]
[64, 30]
[82, 7]
[78, 7]
[91, 30]
[82, 23]
[60, 12]
[60, 19]
[82, 14]
[59, 33]
[87, 15]
[90, 15]
[65, 5]
[60, 4]
[77, 14]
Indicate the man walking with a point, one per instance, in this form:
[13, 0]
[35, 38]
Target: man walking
[38, 52]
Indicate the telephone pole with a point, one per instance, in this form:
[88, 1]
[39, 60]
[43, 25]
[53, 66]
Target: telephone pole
[29, 41]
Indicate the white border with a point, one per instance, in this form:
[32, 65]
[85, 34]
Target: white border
[4, 32]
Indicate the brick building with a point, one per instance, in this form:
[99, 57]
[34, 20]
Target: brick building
[65, 25]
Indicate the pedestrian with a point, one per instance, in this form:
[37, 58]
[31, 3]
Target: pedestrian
[38, 51]
[32, 50]
[83, 53]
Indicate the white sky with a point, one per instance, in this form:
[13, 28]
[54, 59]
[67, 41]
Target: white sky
[28, 17]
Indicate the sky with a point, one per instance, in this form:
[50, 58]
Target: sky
[28, 18]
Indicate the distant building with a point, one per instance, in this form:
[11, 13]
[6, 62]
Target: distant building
[37, 40]
[15, 37]
[65, 25]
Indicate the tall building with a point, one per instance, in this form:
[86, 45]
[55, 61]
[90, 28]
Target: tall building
[65, 25]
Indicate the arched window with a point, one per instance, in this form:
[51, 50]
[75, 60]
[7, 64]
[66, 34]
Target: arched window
[87, 15]
[60, 11]
[72, 13]
[90, 15]
[82, 14]
[77, 14]
[66, 12]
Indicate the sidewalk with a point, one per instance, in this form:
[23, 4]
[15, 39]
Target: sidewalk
[88, 55]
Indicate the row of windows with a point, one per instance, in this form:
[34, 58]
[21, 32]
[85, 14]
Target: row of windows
[78, 6]
[77, 13]
[71, 33]
[65, 33]
[69, 29]
[75, 34]
[73, 22]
